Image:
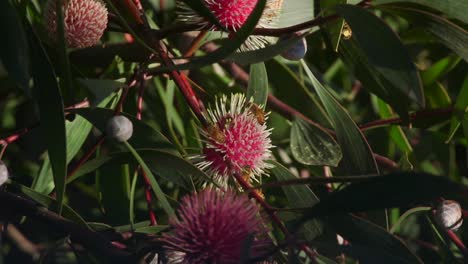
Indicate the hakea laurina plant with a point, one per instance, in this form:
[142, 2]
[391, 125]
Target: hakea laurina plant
[232, 14]
[213, 227]
[84, 21]
[237, 140]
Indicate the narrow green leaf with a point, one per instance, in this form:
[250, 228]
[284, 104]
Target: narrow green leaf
[371, 243]
[167, 165]
[151, 229]
[258, 84]
[154, 184]
[144, 136]
[14, 46]
[357, 154]
[437, 96]
[311, 145]
[379, 193]
[76, 133]
[396, 132]
[334, 28]
[51, 203]
[49, 99]
[446, 32]
[452, 8]
[66, 76]
[459, 116]
[101, 89]
[298, 196]
[405, 215]
[439, 69]
[394, 71]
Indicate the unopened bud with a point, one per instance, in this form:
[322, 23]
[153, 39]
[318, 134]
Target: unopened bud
[3, 173]
[449, 214]
[296, 51]
[119, 128]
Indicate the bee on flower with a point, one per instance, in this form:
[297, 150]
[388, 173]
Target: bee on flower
[237, 140]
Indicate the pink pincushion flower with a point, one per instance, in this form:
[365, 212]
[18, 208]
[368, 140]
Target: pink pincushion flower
[213, 227]
[85, 21]
[232, 14]
[237, 140]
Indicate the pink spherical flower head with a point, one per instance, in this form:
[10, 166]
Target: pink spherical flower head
[213, 227]
[237, 140]
[85, 21]
[232, 14]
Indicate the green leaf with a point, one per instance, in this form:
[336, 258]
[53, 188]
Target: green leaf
[334, 28]
[292, 91]
[154, 184]
[298, 196]
[51, 203]
[439, 69]
[14, 47]
[459, 115]
[452, 8]
[100, 89]
[437, 96]
[230, 46]
[404, 216]
[371, 243]
[144, 136]
[311, 145]
[113, 184]
[446, 32]
[49, 99]
[357, 155]
[380, 192]
[65, 71]
[258, 84]
[199, 7]
[396, 132]
[395, 74]
[169, 166]
[151, 229]
[77, 132]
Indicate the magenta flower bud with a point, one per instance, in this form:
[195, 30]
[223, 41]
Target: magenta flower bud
[449, 214]
[85, 21]
[212, 227]
[237, 141]
[119, 128]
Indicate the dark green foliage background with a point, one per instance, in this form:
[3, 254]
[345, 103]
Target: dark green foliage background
[391, 100]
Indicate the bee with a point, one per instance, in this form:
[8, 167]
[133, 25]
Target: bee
[215, 133]
[346, 32]
[258, 112]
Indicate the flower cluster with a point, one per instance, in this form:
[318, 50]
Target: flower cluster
[84, 21]
[213, 227]
[237, 141]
